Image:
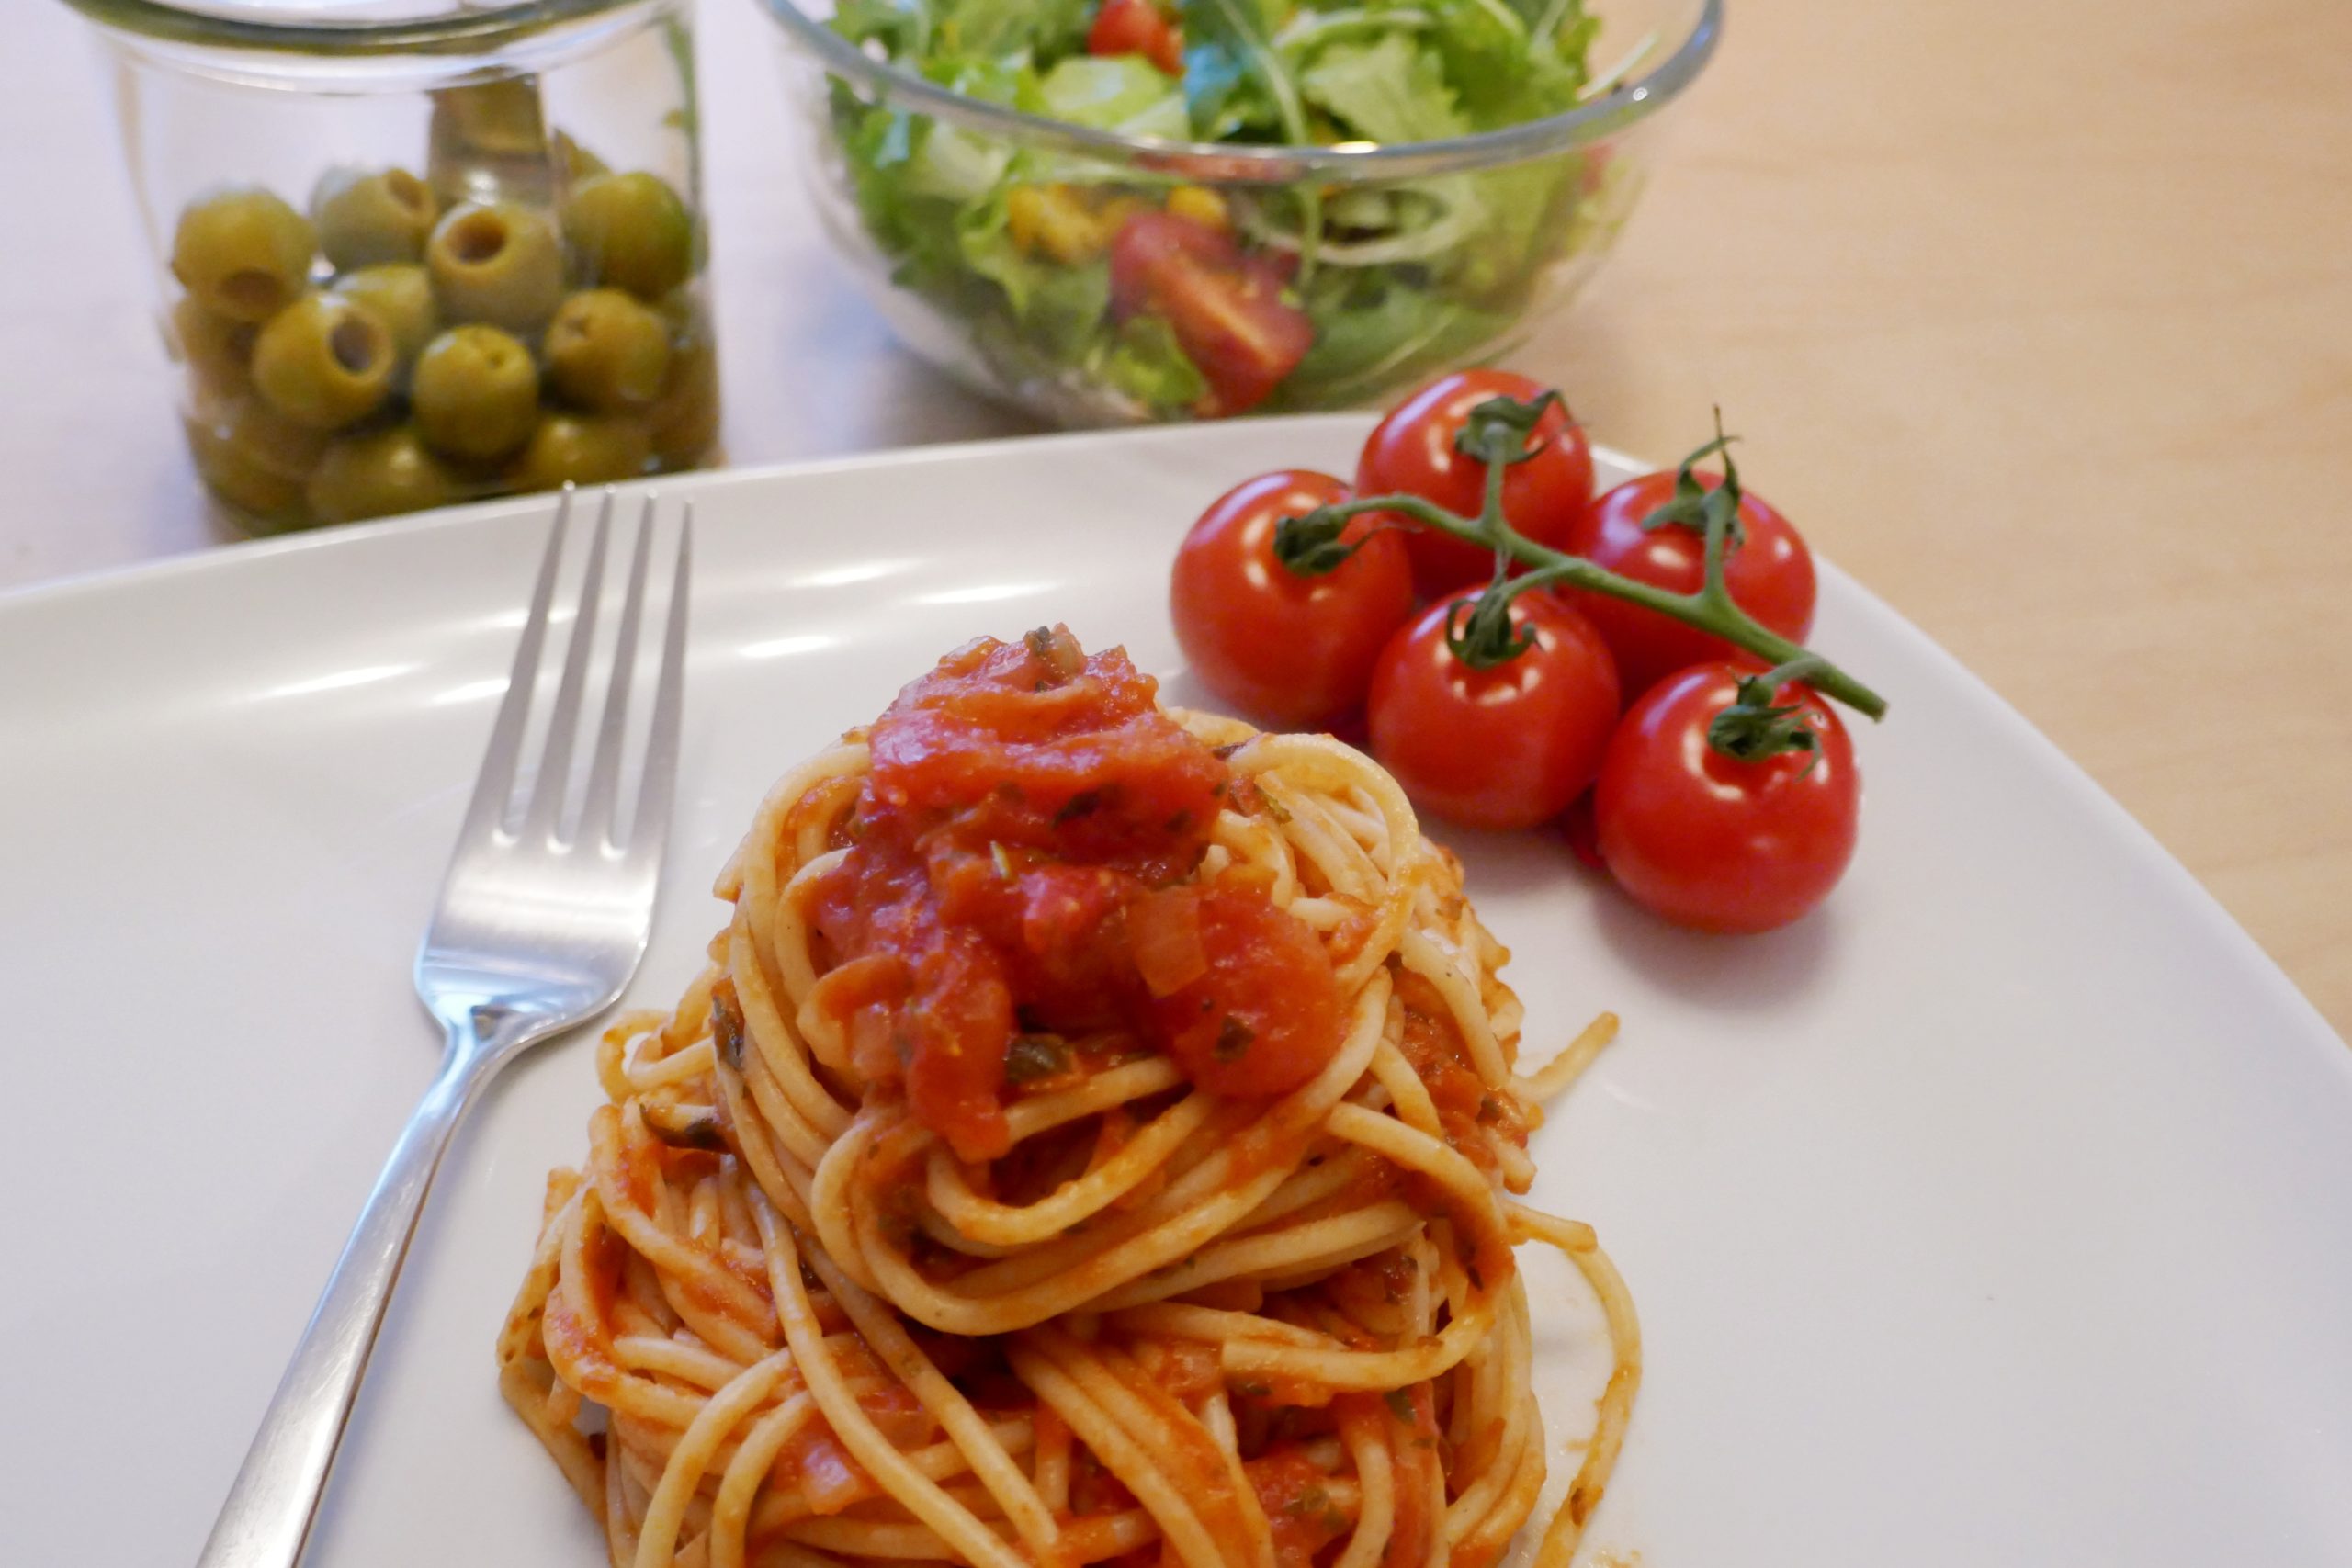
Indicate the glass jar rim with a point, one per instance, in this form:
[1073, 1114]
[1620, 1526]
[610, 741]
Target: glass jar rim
[1634, 99]
[462, 30]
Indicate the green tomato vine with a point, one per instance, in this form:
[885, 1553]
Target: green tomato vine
[1501, 432]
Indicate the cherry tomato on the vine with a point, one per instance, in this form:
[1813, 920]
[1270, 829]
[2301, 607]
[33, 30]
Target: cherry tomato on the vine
[1769, 575]
[1506, 747]
[1582, 838]
[1412, 451]
[1712, 841]
[1291, 651]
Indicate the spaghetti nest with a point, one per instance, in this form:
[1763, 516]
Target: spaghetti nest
[1153, 1322]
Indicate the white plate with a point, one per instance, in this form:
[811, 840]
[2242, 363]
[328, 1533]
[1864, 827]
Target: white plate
[2000, 1214]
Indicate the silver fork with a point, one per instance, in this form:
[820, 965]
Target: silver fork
[539, 926]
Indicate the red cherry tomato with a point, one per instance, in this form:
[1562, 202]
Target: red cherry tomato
[1769, 575]
[1135, 27]
[1412, 451]
[1583, 839]
[1291, 651]
[1712, 842]
[1507, 747]
[1226, 308]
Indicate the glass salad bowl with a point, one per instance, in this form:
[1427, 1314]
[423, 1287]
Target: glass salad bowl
[1120, 211]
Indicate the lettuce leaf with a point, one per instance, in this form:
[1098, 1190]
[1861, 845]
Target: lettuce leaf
[901, 27]
[996, 28]
[1504, 65]
[1124, 92]
[1524, 206]
[1374, 325]
[1388, 90]
[1147, 365]
[1061, 306]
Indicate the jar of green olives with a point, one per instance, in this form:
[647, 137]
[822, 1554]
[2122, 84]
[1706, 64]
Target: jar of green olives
[448, 252]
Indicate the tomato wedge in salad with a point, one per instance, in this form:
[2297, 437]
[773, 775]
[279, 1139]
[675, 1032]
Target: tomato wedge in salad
[1226, 308]
[1135, 27]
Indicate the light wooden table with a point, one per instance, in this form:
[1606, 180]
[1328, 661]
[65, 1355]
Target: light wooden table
[2038, 317]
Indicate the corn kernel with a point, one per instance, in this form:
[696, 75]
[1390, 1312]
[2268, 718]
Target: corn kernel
[1056, 221]
[1112, 215]
[1200, 203]
[1025, 215]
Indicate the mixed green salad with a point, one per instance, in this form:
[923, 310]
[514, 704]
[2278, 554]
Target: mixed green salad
[1159, 298]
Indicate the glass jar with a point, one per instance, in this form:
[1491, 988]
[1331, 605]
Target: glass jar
[409, 253]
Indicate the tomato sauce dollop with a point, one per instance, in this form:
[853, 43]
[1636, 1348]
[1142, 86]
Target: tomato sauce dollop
[1024, 797]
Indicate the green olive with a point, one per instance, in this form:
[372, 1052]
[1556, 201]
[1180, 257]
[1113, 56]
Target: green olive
[271, 440]
[242, 252]
[577, 163]
[607, 352]
[488, 139]
[586, 449]
[402, 297]
[502, 117]
[376, 473]
[631, 232]
[498, 263]
[217, 349]
[476, 394]
[368, 217]
[240, 479]
[324, 361]
[684, 423]
[683, 309]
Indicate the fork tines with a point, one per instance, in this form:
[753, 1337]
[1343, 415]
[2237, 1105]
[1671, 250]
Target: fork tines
[595, 821]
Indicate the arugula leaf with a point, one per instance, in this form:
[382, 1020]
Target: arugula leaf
[1227, 40]
[1233, 77]
[1226, 99]
[1387, 91]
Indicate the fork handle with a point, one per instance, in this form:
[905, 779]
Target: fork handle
[271, 1508]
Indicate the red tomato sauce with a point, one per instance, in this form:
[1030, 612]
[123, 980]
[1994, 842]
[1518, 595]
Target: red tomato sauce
[1291, 1489]
[1406, 1419]
[1441, 1057]
[1022, 797]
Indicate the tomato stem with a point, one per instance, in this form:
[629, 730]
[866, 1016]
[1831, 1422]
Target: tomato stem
[1756, 726]
[1492, 508]
[1711, 609]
